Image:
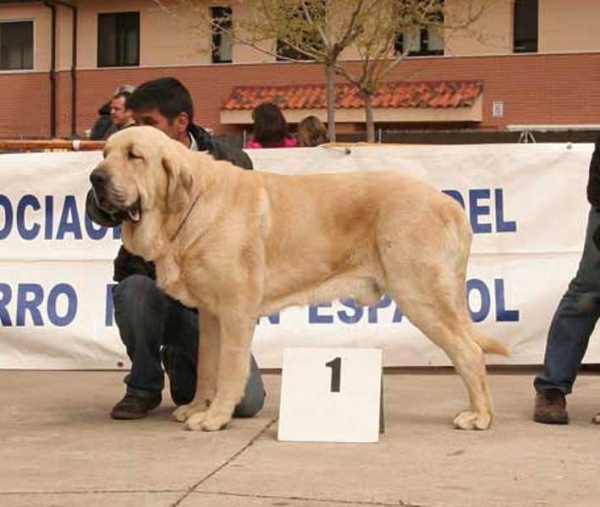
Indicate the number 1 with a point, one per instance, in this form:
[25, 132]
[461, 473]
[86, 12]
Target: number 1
[336, 373]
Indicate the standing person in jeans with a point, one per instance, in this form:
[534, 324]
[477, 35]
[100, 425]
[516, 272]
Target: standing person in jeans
[574, 320]
[154, 327]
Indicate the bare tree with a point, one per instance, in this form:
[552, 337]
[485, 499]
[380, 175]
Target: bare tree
[320, 30]
[396, 30]
[297, 30]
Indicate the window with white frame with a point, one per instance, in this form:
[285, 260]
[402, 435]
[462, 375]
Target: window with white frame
[222, 46]
[16, 45]
[305, 35]
[421, 42]
[425, 37]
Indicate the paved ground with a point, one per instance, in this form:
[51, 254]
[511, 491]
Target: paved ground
[58, 447]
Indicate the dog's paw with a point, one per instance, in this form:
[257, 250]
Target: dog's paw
[184, 412]
[207, 421]
[468, 420]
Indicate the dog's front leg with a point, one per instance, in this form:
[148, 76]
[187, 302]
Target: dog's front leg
[237, 328]
[223, 368]
[208, 362]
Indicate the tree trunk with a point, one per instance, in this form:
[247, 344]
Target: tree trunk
[369, 118]
[330, 85]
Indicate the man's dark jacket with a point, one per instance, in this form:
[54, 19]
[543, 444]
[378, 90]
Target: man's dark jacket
[593, 186]
[127, 264]
[103, 126]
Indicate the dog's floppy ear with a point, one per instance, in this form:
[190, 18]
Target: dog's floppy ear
[179, 179]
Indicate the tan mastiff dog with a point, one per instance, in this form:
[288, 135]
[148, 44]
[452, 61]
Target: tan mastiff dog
[240, 244]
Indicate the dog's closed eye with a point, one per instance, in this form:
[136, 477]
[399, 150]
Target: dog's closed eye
[132, 155]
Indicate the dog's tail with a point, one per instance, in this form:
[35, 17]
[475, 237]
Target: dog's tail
[489, 345]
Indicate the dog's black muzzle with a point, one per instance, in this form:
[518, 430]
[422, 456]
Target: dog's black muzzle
[100, 184]
[111, 201]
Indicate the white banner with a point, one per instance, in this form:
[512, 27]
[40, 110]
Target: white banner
[526, 204]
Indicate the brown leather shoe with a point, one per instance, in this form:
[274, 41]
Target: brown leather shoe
[135, 407]
[551, 407]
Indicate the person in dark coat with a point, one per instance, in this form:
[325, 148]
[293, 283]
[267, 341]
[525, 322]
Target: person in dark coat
[159, 333]
[103, 126]
[574, 319]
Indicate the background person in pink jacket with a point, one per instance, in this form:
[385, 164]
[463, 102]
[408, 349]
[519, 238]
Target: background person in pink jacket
[270, 128]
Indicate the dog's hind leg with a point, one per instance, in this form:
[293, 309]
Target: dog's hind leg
[430, 303]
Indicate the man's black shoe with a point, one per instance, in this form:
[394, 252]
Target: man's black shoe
[180, 367]
[135, 407]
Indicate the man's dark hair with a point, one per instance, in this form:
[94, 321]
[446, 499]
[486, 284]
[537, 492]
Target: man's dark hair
[166, 94]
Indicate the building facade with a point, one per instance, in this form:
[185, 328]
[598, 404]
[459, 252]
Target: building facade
[532, 63]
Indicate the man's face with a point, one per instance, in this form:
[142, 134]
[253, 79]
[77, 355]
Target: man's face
[175, 129]
[119, 114]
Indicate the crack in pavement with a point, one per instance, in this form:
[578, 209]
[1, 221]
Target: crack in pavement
[226, 463]
[399, 503]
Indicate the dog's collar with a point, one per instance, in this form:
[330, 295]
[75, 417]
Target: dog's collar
[185, 218]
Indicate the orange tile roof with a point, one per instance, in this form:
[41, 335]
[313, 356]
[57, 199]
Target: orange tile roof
[417, 94]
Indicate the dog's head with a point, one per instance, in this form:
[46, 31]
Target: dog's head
[143, 170]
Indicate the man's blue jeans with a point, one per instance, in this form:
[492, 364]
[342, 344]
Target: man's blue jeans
[149, 319]
[572, 325]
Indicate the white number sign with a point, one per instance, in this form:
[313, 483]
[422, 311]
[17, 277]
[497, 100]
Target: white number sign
[330, 395]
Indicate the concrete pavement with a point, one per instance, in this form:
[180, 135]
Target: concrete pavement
[58, 447]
